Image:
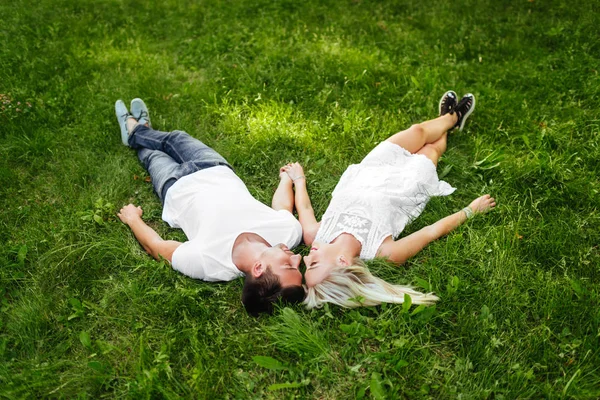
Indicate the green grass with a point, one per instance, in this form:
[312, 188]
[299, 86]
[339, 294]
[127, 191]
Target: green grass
[85, 312]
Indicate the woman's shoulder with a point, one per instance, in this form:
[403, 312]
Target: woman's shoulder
[385, 247]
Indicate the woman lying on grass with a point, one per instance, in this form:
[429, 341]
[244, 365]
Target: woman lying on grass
[371, 204]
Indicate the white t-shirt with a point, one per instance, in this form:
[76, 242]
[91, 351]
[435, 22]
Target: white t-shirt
[213, 207]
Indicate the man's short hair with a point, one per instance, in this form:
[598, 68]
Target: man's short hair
[259, 294]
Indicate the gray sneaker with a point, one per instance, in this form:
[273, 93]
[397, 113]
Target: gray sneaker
[122, 116]
[140, 111]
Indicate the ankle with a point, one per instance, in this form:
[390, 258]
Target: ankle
[453, 117]
[131, 123]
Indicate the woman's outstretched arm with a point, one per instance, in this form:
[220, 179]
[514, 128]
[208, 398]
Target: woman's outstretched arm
[401, 250]
[306, 214]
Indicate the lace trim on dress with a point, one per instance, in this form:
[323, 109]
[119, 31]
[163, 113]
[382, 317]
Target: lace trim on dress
[352, 224]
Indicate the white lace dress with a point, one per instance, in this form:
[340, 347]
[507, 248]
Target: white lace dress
[380, 196]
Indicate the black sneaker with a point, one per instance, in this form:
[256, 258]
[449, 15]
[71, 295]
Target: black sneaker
[463, 109]
[447, 102]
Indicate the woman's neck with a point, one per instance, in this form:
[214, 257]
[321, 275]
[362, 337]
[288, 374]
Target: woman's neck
[348, 244]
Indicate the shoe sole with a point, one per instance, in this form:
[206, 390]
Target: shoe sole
[122, 124]
[466, 116]
[442, 100]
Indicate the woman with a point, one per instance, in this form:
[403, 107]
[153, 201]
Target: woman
[371, 204]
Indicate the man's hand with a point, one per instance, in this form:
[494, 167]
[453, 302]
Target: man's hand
[283, 174]
[130, 213]
[148, 238]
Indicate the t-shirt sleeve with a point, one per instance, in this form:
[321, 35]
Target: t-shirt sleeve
[295, 233]
[189, 260]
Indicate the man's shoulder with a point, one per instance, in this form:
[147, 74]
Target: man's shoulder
[206, 261]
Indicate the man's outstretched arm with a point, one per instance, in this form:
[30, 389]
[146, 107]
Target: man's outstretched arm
[148, 238]
[306, 214]
[283, 198]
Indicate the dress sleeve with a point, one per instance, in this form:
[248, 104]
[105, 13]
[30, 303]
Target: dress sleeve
[189, 260]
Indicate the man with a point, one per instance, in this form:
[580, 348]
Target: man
[230, 233]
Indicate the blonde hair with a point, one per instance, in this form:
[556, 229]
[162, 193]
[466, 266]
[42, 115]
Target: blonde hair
[355, 286]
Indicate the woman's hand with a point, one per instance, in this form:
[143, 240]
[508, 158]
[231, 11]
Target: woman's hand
[294, 171]
[483, 204]
[130, 213]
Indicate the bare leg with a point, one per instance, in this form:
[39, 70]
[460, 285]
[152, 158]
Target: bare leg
[434, 150]
[283, 198]
[414, 138]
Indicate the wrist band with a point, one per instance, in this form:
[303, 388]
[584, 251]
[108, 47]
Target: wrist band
[300, 177]
[468, 212]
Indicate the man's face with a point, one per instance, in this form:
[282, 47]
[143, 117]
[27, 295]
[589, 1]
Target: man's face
[284, 264]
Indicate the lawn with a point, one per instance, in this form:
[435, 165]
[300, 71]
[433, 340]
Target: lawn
[84, 312]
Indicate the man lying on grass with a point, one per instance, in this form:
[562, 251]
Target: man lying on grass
[230, 233]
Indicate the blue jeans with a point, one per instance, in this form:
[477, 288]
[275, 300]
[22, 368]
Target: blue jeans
[169, 156]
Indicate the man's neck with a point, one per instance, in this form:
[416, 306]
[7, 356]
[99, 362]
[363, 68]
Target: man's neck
[247, 250]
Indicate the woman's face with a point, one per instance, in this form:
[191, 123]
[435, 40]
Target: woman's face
[321, 260]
